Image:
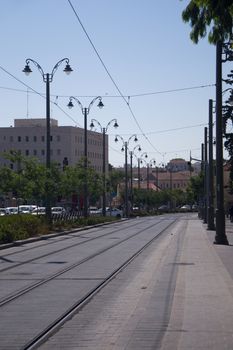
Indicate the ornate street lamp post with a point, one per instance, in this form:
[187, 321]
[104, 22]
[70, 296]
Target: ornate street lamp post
[85, 112]
[125, 148]
[137, 147]
[47, 78]
[104, 131]
[220, 237]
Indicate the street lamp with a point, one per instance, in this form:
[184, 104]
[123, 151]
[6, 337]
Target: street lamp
[125, 148]
[137, 147]
[220, 237]
[85, 112]
[144, 154]
[104, 131]
[47, 78]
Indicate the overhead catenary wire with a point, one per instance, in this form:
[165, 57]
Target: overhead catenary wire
[38, 93]
[110, 76]
[128, 96]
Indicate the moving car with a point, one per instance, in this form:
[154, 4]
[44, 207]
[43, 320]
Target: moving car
[12, 210]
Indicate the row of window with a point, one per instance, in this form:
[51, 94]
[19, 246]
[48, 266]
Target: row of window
[57, 138]
[57, 152]
[33, 138]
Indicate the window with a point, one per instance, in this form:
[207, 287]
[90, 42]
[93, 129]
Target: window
[51, 138]
[11, 166]
[42, 138]
[26, 138]
[19, 138]
[34, 138]
[11, 139]
[27, 152]
[42, 152]
[34, 152]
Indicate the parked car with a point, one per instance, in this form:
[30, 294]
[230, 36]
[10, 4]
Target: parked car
[163, 208]
[58, 210]
[94, 211]
[38, 211]
[185, 208]
[2, 211]
[12, 210]
[114, 212]
[26, 209]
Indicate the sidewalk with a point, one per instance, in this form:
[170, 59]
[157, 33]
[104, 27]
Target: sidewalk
[202, 313]
[178, 295]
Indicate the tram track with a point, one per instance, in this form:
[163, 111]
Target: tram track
[14, 265]
[53, 327]
[60, 272]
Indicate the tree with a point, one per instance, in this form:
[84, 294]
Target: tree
[215, 14]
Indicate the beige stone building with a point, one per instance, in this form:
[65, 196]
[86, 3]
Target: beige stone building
[28, 136]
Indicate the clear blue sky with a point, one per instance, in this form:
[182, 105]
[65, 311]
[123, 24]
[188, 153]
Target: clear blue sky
[147, 51]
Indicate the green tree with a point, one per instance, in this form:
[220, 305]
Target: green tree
[217, 15]
[195, 188]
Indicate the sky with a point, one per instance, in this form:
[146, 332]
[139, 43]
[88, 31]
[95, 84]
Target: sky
[136, 55]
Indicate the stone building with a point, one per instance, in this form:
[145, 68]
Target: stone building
[28, 136]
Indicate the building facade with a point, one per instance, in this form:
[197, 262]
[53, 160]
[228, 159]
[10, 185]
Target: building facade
[28, 136]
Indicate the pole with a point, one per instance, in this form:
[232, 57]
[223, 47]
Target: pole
[131, 177]
[205, 176]
[139, 173]
[220, 237]
[147, 178]
[85, 204]
[48, 202]
[126, 183]
[104, 175]
[210, 212]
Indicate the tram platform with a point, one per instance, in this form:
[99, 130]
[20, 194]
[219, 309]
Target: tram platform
[177, 295]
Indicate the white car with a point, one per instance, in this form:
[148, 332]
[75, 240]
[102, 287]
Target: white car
[58, 210]
[26, 209]
[94, 211]
[38, 211]
[2, 211]
[114, 212]
[12, 210]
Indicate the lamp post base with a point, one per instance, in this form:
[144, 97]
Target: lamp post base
[221, 240]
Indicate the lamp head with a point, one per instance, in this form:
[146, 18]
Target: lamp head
[139, 148]
[70, 104]
[67, 69]
[122, 149]
[100, 104]
[135, 139]
[27, 70]
[92, 125]
[230, 100]
[116, 139]
[115, 125]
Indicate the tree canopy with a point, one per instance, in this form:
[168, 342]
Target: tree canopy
[217, 15]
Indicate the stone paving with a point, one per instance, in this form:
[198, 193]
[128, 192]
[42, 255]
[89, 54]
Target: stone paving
[178, 294]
